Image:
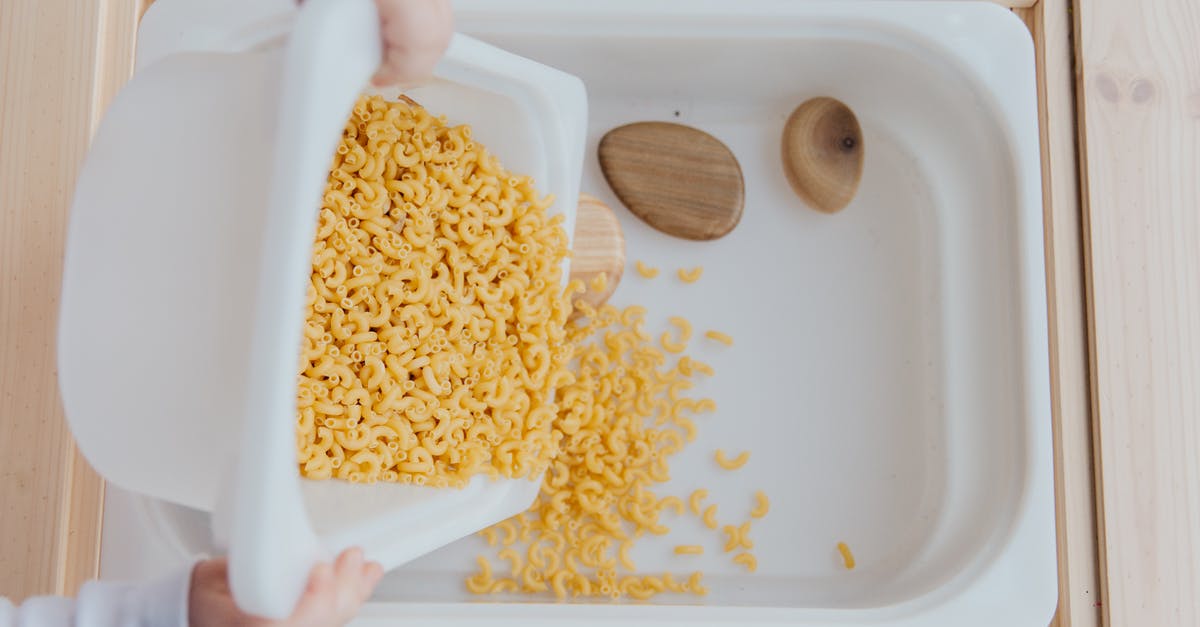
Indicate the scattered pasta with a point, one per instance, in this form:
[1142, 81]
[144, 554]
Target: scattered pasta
[691, 276]
[719, 337]
[847, 556]
[619, 419]
[646, 271]
[762, 505]
[434, 343]
[731, 464]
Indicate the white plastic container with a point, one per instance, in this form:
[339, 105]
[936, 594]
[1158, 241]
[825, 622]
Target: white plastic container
[189, 250]
[890, 371]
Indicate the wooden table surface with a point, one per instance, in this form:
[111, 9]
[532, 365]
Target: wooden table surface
[1140, 108]
[1120, 103]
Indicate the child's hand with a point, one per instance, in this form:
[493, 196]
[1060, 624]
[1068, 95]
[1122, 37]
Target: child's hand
[332, 598]
[415, 35]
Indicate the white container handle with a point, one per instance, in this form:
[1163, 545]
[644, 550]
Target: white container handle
[334, 48]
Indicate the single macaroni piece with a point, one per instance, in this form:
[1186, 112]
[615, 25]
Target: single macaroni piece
[689, 549]
[481, 582]
[733, 537]
[685, 327]
[732, 464]
[599, 282]
[744, 536]
[847, 556]
[685, 334]
[761, 505]
[695, 499]
[646, 271]
[746, 559]
[710, 517]
[623, 555]
[690, 276]
[719, 337]
[511, 556]
[673, 503]
[434, 344]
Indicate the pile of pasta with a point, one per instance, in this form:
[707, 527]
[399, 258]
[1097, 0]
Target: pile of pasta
[435, 341]
[624, 416]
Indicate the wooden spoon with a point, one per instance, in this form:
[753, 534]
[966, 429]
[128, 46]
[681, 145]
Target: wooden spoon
[823, 154]
[599, 247]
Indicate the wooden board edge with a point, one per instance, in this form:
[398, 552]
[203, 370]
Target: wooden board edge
[1052, 26]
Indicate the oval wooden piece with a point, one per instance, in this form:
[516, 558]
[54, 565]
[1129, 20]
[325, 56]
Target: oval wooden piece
[678, 179]
[599, 246]
[823, 153]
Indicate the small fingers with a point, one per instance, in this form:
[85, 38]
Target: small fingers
[372, 573]
[349, 563]
[321, 577]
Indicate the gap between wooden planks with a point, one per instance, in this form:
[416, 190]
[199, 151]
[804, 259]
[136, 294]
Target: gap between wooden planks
[58, 557]
[1050, 22]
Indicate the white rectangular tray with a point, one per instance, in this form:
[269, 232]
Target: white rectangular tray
[890, 370]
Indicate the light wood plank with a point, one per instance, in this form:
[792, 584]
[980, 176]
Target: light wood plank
[1051, 25]
[1140, 92]
[61, 62]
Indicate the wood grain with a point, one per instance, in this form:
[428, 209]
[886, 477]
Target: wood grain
[598, 247]
[822, 150]
[62, 62]
[1051, 25]
[678, 179]
[1140, 109]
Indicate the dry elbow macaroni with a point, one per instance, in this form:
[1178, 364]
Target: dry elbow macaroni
[435, 339]
[690, 276]
[746, 559]
[731, 464]
[847, 556]
[646, 271]
[719, 337]
[762, 505]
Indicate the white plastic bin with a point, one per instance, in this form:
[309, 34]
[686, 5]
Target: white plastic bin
[890, 372]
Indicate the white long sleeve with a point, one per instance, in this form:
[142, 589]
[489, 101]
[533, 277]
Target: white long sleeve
[161, 603]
